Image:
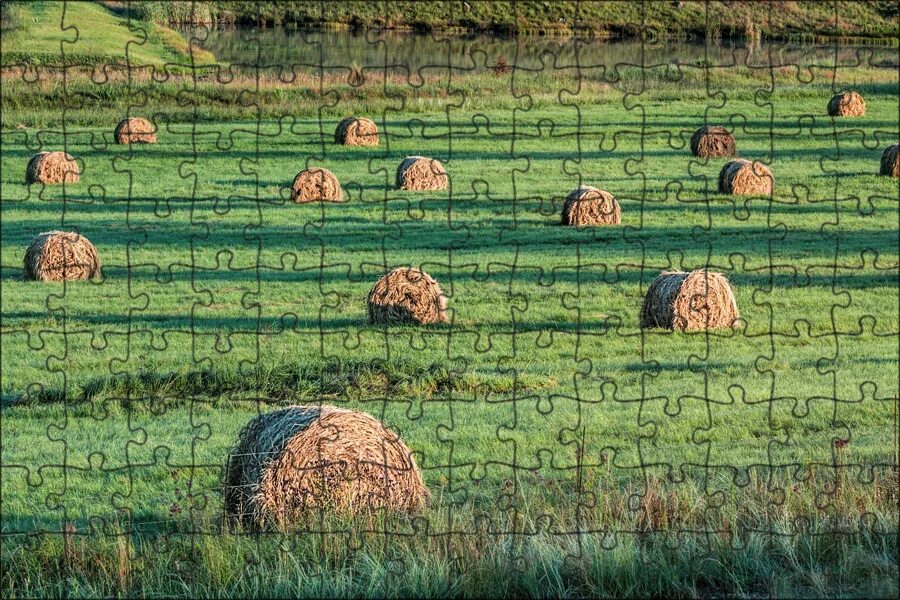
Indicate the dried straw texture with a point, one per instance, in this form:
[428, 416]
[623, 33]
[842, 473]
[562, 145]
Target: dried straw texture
[306, 458]
[746, 178]
[848, 104]
[586, 206]
[356, 131]
[889, 161]
[135, 131]
[316, 185]
[61, 255]
[421, 173]
[52, 167]
[686, 301]
[407, 295]
[712, 142]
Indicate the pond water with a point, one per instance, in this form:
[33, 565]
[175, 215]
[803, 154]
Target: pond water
[408, 52]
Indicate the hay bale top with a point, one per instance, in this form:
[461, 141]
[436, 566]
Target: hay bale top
[746, 178]
[683, 301]
[60, 256]
[890, 165]
[847, 104]
[305, 459]
[421, 173]
[52, 167]
[586, 206]
[407, 295]
[316, 185]
[135, 130]
[356, 131]
[712, 142]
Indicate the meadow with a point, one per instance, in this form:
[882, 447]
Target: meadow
[568, 452]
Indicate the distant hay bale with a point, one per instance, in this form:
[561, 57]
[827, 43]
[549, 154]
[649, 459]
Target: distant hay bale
[356, 131]
[745, 178]
[421, 173]
[586, 206]
[61, 255]
[316, 185]
[890, 165]
[307, 459]
[685, 301]
[847, 104]
[135, 130]
[407, 295]
[52, 167]
[712, 142]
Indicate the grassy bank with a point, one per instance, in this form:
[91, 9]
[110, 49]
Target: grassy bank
[50, 33]
[771, 20]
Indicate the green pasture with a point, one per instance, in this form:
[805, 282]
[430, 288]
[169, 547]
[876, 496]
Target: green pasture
[121, 396]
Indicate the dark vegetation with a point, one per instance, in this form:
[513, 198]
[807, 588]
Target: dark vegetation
[773, 20]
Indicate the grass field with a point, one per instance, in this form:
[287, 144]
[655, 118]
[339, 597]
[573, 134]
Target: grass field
[568, 452]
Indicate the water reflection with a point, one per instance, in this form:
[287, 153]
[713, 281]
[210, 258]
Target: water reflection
[437, 53]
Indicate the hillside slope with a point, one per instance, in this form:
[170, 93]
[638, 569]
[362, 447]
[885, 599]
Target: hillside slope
[89, 33]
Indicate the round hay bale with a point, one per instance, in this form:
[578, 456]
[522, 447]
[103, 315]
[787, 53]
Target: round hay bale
[745, 178]
[135, 131]
[61, 255]
[890, 165]
[847, 104]
[52, 167]
[586, 206]
[407, 295]
[684, 301]
[316, 185]
[421, 173]
[712, 142]
[356, 131]
[309, 458]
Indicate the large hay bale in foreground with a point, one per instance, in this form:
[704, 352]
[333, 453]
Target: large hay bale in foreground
[847, 104]
[745, 178]
[52, 167]
[356, 131]
[712, 142]
[586, 206]
[135, 130]
[303, 459]
[421, 173]
[684, 301]
[890, 165]
[407, 295]
[316, 185]
[61, 255]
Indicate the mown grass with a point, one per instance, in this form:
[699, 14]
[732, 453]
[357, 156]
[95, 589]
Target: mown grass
[568, 452]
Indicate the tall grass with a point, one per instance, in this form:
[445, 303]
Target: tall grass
[773, 536]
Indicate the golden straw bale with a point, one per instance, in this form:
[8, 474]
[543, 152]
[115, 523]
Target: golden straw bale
[745, 178]
[52, 167]
[686, 301]
[306, 459]
[586, 206]
[135, 131]
[407, 295]
[316, 185]
[356, 131]
[847, 104]
[61, 255]
[421, 173]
